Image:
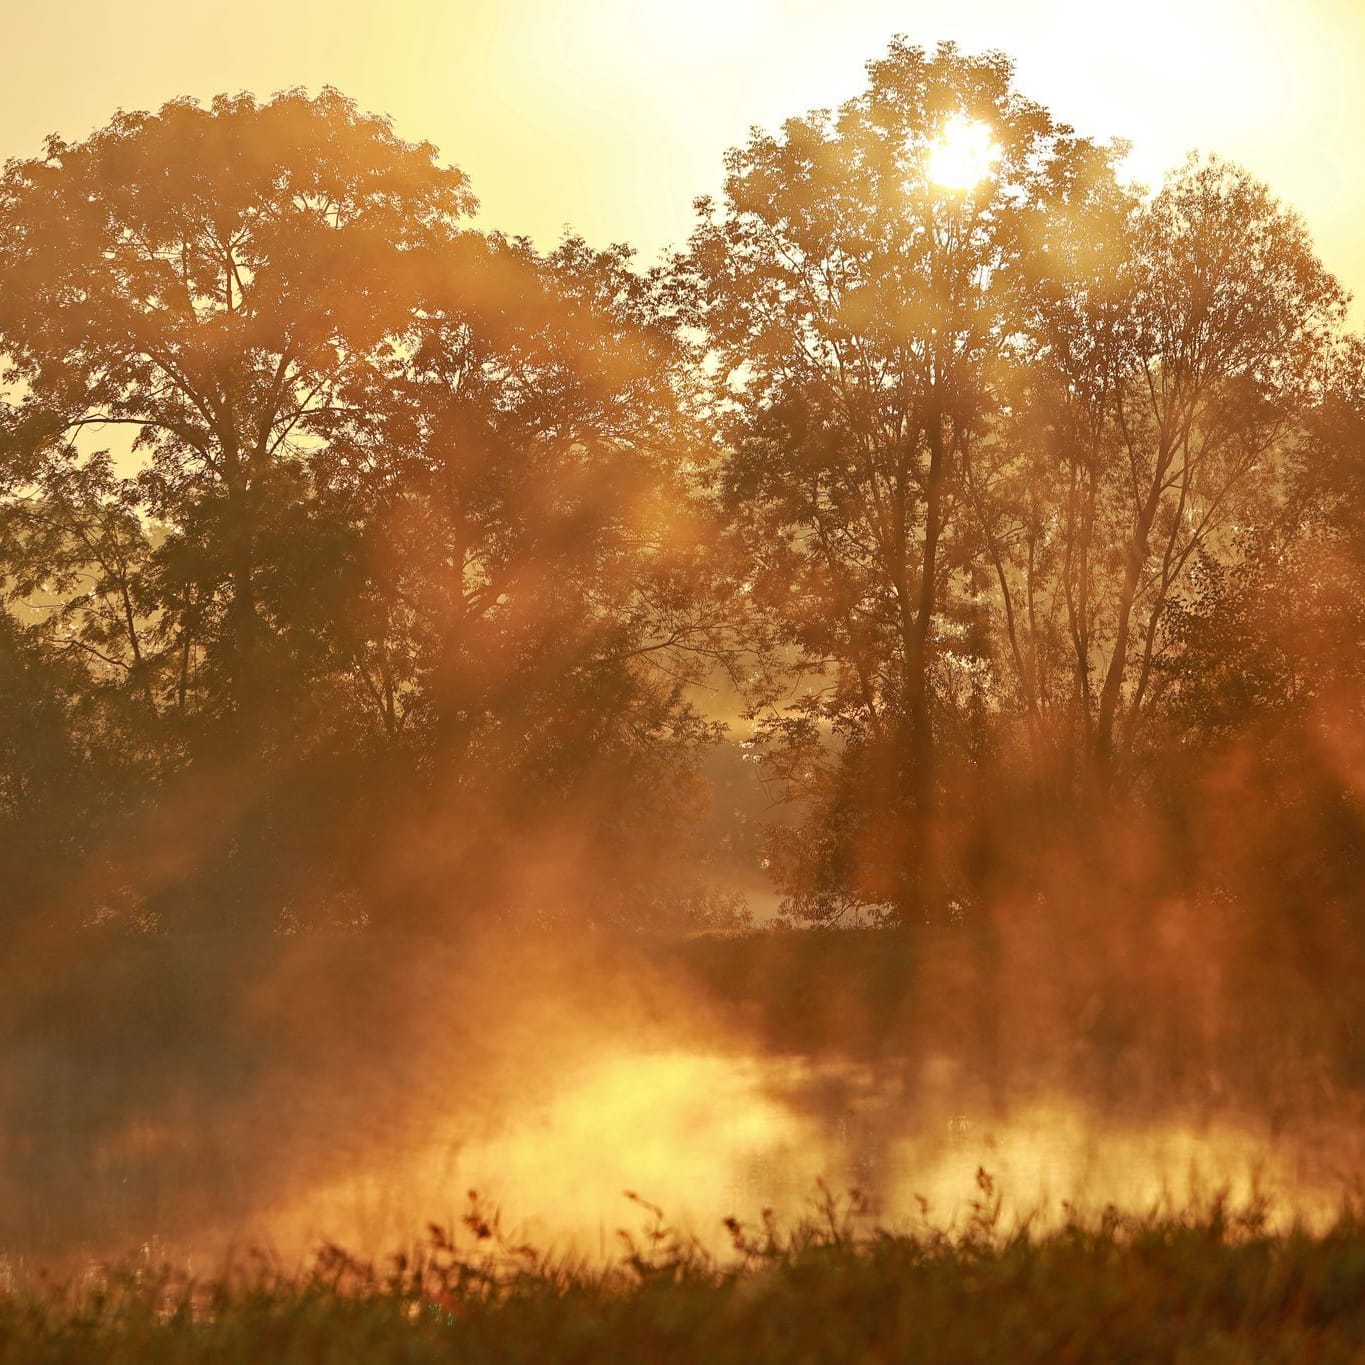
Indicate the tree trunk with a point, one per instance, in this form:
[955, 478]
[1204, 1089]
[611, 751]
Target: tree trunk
[923, 890]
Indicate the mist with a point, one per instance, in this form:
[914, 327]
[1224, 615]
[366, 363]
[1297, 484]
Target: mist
[864, 715]
[1099, 1047]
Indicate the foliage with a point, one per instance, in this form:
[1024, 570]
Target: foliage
[401, 541]
[376, 562]
[864, 316]
[985, 447]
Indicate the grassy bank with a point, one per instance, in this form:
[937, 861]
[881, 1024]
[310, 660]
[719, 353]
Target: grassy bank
[1208, 1287]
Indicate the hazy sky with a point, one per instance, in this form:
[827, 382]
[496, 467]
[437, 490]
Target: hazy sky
[611, 115]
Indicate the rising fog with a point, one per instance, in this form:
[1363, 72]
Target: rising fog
[872, 699]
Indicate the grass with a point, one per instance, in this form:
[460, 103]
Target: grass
[1212, 1286]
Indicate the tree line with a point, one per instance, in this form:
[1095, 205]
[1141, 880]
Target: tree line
[363, 566]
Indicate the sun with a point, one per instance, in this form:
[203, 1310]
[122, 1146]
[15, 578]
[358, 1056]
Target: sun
[963, 154]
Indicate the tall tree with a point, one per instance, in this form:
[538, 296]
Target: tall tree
[861, 286]
[405, 545]
[227, 284]
[543, 595]
[1171, 375]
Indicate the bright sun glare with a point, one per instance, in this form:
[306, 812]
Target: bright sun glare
[963, 155]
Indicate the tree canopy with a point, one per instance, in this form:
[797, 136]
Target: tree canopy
[362, 565]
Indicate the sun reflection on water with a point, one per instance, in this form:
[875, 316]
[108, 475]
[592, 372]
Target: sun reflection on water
[709, 1135]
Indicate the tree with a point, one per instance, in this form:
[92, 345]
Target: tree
[544, 594]
[1273, 637]
[406, 545]
[1169, 379]
[864, 302]
[228, 284]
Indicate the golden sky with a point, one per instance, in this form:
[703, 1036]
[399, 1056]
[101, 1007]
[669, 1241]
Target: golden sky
[611, 115]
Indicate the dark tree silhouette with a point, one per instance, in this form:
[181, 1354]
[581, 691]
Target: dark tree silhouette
[1167, 389]
[404, 513]
[360, 565]
[229, 285]
[865, 313]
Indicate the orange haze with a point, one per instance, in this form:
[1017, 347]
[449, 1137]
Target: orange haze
[610, 115]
